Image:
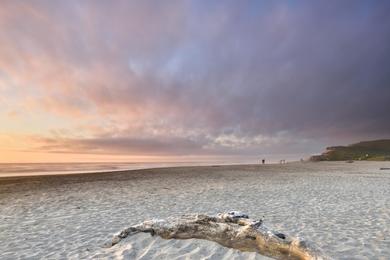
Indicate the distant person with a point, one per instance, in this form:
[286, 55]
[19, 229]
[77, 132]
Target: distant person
[263, 161]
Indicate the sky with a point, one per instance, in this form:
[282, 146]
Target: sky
[190, 80]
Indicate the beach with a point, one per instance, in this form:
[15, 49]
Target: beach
[344, 208]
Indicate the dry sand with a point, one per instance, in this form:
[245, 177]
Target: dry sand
[343, 208]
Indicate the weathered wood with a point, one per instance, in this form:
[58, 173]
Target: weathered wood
[233, 230]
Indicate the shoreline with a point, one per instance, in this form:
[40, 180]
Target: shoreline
[108, 175]
[32, 175]
[96, 172]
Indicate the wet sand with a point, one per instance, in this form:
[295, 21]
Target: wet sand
[343, 208]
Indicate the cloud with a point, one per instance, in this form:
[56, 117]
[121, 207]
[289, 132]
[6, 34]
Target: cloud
[195, 77]
[223, 145]
[119, 145]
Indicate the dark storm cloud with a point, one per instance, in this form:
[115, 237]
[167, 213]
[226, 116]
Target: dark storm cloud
[313, 69]
[232, 75]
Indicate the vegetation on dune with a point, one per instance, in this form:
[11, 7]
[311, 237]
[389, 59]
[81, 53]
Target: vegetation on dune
[378, 150]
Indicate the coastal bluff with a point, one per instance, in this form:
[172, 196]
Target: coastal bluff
[377, 150]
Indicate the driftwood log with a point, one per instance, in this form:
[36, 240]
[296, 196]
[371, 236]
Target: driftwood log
[233, 230]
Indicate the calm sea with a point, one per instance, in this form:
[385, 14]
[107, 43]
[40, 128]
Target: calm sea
[29, 169]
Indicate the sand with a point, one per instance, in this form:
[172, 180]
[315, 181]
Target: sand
[343, 208]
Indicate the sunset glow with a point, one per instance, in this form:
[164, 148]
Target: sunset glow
[179, 80]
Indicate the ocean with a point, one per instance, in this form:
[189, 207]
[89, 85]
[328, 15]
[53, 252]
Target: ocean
[31, 169]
